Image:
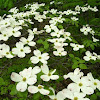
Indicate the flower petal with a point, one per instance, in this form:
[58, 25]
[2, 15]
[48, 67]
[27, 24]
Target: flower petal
[32, 80]
[54, 77]
[37, 52]
[32, 89]
[36, 70]
[45, 69]
[45, 77]
[21, 86]
[15, 77]
[44, 91]
[34, 60]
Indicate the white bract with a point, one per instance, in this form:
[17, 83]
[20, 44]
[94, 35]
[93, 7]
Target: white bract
[14, 31]
[24, 78]
[67, 35]
[74, 75]
[89, 56]
[48, 74]
[74, 18]
[94, 39]
[81, 84]
[6, 51]
[28, 41]
[57, 33]
[50, 27]
[39, 88]
[74, 95]
[58, 96]
[60, 52]
[39, 57]
[95, 83]
[76, 47]
[86, 29]
[20, 50]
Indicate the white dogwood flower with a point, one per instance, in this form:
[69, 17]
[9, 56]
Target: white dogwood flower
[15, 31]
[58, 33]
[39, 88]
[67, 35]
[39, 57]
[6, 51]
[58, 96]
[23, 78]
[20, 50]
[48, 74]
[74, 75]
[74, 95]
[86, 29]
[81, 84]
[60, 52]
[95, 83]
[76, 47]
[28, 41]
[89, 56]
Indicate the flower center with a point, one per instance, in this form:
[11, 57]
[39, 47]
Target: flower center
[39, 87]
[13, 31]
[4, 35]
[56, 40]
[21, 50]
[24, 79]
[7, 53]
[5, 23]
[75, 98]
[49, 74]
[80, 84]
[90, 57]
[55, 99]
[27, 41]
[95, 83]
[40, 57]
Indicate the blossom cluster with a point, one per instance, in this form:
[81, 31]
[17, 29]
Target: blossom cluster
[86, 29]
[28, 77]
[77, 90]
[11, 26]
[90, 56]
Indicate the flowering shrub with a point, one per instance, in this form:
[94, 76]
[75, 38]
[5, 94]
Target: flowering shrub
[40, 46]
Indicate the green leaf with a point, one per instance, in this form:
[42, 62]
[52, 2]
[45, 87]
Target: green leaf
[13, 90]
[29, 62]
[82, 66]
[93, 97]
[39, 41]
[46, 45]
[60, 27]
[81, 61]
[71, 55]
[36, 96]
[98, 93]
[1, 81]
[41, 49]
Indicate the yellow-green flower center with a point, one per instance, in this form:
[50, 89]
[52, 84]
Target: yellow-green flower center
[80, 84]
[21, 50]
[75, 98]
[49, 74]
[40, 57]
[7, 53]
[4, 35]
[24, 79]
[13, 31]
[39, 87]
[27, 41]
[95, 83]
